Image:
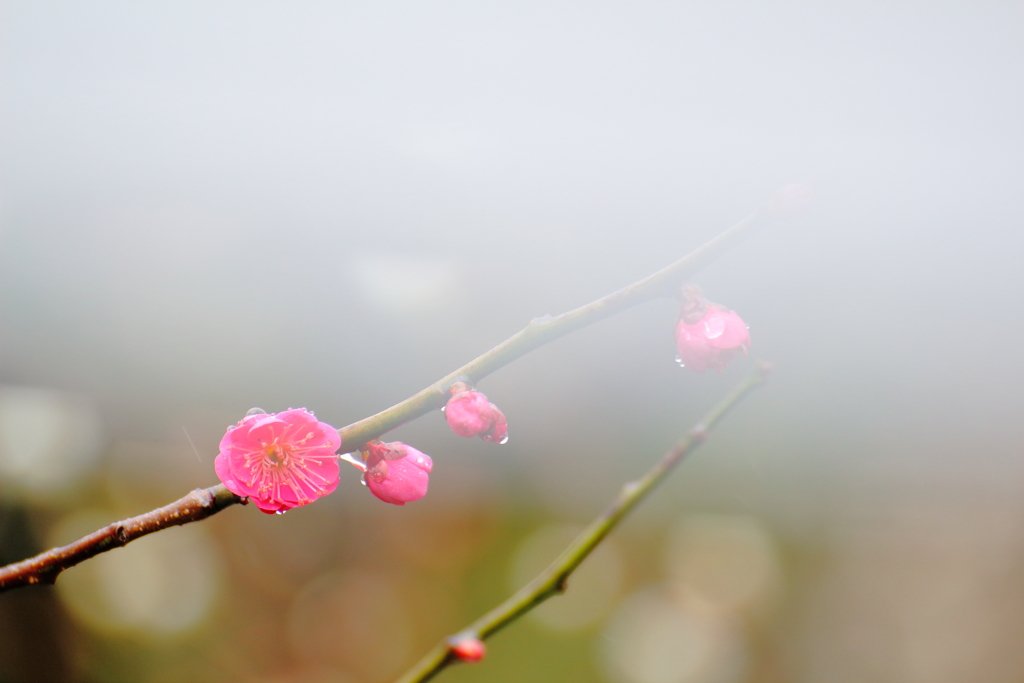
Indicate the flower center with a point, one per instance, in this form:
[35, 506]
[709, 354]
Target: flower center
[278, 454]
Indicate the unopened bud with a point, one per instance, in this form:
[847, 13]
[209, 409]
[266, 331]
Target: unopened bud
[470, 414]
[396, 472]
[469, 649]
[711, 341]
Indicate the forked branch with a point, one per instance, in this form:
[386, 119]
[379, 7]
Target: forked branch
[553, 580]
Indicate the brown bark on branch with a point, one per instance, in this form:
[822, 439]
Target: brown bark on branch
[46, 567]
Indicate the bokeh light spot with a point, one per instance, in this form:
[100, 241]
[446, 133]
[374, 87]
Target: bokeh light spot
[593, 587]
[159, 585]
[730, 560]
[653, 639]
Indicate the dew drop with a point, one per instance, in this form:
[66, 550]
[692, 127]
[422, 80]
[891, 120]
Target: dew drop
[504, 440]
[713, 329]
[680, 361]
[442, 409]
[362, 480]
[280, 512]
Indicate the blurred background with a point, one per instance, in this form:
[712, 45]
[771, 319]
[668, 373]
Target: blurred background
[206, 207]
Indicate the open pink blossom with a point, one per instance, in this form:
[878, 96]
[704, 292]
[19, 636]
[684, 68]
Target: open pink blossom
[713, 340]
[279, 461]
[470, 414]
[395, 472]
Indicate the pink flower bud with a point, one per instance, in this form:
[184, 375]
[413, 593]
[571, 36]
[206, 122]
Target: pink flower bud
[713, 340]
[469, 649]
[279, 461]
[395, 472]
[470, 414]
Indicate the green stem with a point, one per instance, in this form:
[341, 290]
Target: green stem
[552, 581]
[540, 331]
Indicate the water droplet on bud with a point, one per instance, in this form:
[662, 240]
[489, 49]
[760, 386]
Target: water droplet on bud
[680, 361]
[504, 440]
[280, 512]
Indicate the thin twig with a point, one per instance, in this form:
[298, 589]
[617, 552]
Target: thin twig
[553, 580]
[540, 331]
[45, 568]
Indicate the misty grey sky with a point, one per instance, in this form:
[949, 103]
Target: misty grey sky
[207, 206]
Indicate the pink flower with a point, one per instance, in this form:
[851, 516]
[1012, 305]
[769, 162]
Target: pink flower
[470, 414]
[712, 341]
[395, 472]
[279, 461]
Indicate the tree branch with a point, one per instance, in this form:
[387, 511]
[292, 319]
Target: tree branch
[202, 503]
[540, 331]
[46, 567]
[553, 580]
